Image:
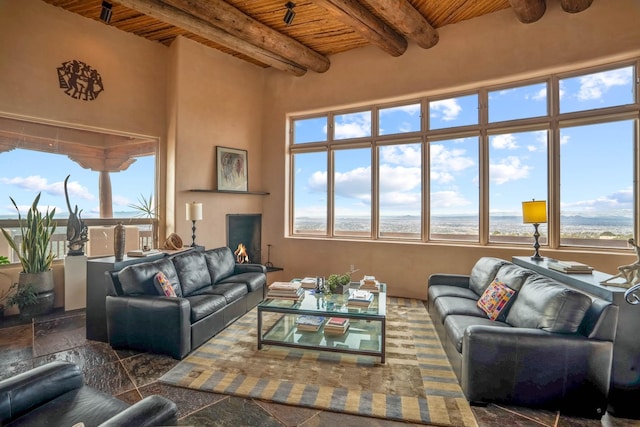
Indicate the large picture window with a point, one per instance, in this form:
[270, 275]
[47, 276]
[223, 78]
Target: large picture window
[461, 171]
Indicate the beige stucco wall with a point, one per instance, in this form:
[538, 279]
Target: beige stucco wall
[487, 50]
[218, 102]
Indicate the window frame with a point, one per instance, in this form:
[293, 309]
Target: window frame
[552, 122]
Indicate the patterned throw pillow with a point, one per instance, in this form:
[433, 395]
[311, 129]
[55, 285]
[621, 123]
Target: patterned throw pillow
[495, 299]
[163, 285]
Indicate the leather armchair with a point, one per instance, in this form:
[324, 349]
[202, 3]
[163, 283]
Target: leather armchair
[55, 395]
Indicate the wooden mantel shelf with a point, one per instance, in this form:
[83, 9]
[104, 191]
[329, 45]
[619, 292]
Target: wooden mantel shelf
[254, 193]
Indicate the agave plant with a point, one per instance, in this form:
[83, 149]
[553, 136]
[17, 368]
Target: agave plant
[35, 253]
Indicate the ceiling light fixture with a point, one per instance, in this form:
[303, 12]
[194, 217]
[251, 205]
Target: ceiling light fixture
[290, 14]
[105, 12]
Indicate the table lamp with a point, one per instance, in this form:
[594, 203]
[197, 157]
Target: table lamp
[194, 213]
[535, 212]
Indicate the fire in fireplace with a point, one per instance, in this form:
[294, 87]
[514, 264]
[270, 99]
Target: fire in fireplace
[246, 230]
[241, 254]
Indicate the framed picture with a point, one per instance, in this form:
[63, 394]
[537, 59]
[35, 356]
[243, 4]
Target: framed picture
[232, 169]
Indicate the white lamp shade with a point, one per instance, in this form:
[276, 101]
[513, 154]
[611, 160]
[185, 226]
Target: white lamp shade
[534, 212]
[194, 211]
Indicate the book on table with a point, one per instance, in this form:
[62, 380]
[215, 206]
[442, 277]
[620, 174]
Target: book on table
[297, 294]
[336, 326]
[308, 283]
[307, 322]
[360, 297]
[570, 267]
[285, 286]
[142, 253]
[370, 283]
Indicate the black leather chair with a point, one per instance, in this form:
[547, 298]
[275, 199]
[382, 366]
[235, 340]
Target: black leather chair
[55, 395]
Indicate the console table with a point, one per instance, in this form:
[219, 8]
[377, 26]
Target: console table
[624, 392]
[96, 321]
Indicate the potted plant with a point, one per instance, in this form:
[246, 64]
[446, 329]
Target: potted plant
[338, 283]
[35, 254]
[147, 209]
[26, 298]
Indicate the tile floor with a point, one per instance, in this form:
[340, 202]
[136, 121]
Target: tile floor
[131, 376]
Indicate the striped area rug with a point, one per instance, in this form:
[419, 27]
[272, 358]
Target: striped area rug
[416, 384]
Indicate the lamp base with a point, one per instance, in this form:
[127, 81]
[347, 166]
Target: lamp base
[536, 245]
[537, 257]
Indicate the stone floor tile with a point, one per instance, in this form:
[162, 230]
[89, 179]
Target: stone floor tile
[110, 378]
[60, 334]
[16, 344]
[146, 368]
[325, 418]
[130, 397]
[231, 412]
[288, 415]
[494, 416]
[187, 400]
[86, 357]
[8, 370]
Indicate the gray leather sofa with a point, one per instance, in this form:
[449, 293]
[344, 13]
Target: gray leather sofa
[55, 395]
[551, 346]
[211, 292]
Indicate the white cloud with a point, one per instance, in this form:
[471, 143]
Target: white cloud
[406, 155]
[616, 201]
[506, 141]
[39, 184]
[449, 108]
[445, 163]
[448, 199]
[399, 178]
[355, 184]
[595, 85]
[354, 125]
[411, 109]
[565, 139]
[318, 182]
[540, 95]
[508, 169]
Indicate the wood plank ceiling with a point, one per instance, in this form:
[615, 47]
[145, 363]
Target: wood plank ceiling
[255, 31]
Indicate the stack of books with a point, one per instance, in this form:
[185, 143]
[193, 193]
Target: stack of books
[308, 282]
[309, 323]
[360, 298]
[570, 267]
[370, 284]
[336, 326]
[285, 290]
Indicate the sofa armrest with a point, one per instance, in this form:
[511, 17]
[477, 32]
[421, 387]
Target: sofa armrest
[459, 280]
[151, 411]
[532, 367]
[150, 323]
[21, 393]
[249, 268]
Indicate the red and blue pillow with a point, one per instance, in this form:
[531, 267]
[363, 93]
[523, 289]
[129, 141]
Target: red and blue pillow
[163, 285]
[495, 300]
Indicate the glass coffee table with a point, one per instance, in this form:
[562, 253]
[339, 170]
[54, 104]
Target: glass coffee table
[365, 334]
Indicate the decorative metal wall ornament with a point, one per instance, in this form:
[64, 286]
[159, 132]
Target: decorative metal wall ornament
[80, 80]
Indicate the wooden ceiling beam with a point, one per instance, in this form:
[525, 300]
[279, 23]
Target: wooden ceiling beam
[408, 20]
[178, 18]
[528, 11]
[575, 6]
[365, 23]
[234, 22]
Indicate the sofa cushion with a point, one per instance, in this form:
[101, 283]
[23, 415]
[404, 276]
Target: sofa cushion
[456, 324]
[230, 291]
[513, 275]
[438, 291]
[546, 304]
[446, 306]
[495, 300]
[204, 305]
[138, 279]
[253, 281]
[163, 286]
[483, 273]
[192, 271]
[220, 262]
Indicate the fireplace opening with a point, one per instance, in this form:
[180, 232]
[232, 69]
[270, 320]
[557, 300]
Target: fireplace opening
[246, 230]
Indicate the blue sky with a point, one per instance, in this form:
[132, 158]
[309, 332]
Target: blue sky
[596, 160]
[24, 174]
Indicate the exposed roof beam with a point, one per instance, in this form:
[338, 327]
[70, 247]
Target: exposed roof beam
[406, 19]
[178, 18]
[234, 22]
[528, 11]
[575, 6]
[369, 26]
